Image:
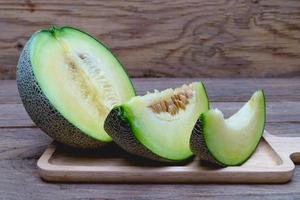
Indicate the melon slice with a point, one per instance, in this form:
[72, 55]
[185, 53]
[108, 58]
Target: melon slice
[230, 142]
[158, 125]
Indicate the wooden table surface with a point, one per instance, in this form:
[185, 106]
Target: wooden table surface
[212, 38]
[21, 144]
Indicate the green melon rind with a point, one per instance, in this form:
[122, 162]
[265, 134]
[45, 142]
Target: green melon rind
[206, 95]
[200, 149]
[118, 126]
[198, 145]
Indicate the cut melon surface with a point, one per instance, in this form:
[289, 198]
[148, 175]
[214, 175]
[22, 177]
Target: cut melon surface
[161, 122]
[80, 77]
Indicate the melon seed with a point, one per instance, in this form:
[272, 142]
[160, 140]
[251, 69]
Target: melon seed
[178, 101]
[163, 106]
[172, 109]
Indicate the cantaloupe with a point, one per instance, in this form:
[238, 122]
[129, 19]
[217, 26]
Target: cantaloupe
[68, 82]
[158, 125]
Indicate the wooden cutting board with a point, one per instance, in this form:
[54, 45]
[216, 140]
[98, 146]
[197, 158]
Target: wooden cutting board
[271, 163]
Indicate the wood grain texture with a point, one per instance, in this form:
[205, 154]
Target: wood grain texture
[14, 115]
[21, 147]
[219, 90]
[283, 97]
[219, 38]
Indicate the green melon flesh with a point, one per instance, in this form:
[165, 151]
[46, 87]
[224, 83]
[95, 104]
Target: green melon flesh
[80, 77]
[232, 141]
[164, 134]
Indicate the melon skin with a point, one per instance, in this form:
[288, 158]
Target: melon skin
[199, 147]
[42, 112]
[118, 127]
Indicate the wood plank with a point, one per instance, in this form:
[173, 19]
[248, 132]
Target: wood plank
[9, 92]
[24, 143]
[14, 115]
[276, 111]
[247, 38]
[28, 143]
[286, 129]
[20, 148]
[230, 89]
[217, 89]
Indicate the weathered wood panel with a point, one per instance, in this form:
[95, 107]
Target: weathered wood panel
[14, 115]
[219, 38]
[219, 90]
[21, 147]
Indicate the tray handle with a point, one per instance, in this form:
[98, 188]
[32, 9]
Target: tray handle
[288, 146]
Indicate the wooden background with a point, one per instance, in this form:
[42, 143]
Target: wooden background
[169, 38]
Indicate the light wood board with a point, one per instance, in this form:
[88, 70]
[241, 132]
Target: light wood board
[271, 163]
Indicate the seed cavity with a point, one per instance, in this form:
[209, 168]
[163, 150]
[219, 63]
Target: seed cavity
[175, 103]
[91, 81]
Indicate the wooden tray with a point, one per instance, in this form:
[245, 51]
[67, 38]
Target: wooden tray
[271, 163]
